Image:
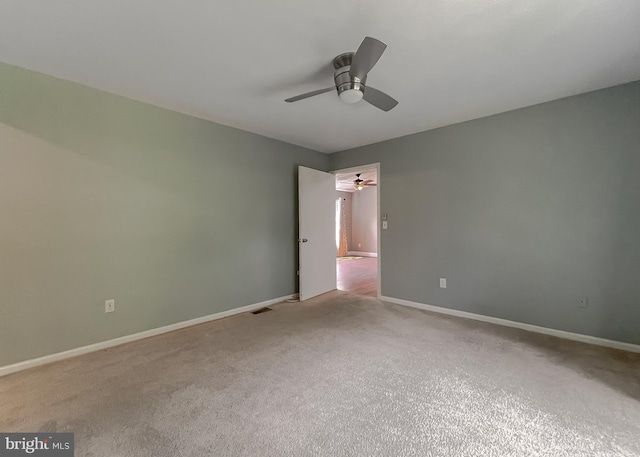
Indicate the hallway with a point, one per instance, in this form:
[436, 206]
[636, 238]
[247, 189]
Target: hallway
[358, 275]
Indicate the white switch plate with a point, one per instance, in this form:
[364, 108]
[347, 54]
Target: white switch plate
[109, 306]
[384, 225]
[443, 283]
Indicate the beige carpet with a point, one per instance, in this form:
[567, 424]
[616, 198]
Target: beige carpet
[337, 376]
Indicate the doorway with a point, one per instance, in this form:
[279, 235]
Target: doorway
[357, 230]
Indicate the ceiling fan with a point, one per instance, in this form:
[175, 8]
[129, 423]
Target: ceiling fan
[351, 75]
[360, 184]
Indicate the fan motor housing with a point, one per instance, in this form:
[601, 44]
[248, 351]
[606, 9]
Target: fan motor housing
[344, 81]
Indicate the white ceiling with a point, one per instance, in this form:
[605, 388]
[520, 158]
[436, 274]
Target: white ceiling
[234, 62]
[345, 181]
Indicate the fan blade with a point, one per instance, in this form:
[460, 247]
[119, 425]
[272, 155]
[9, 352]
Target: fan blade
[370, 185]
[379, 99]
[309, 94]
[366, 57]
[367, 181]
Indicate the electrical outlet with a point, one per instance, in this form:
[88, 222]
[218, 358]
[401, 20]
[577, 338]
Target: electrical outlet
[109, 306]
[443, 283]
[583, 303]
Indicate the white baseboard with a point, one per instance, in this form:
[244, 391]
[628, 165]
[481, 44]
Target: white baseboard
[363, 254]
[136, 336]
[507, 323]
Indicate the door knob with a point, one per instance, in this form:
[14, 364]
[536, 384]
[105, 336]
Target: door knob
[302, 240]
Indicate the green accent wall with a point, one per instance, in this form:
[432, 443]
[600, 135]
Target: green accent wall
[524, 213]
[105, 197]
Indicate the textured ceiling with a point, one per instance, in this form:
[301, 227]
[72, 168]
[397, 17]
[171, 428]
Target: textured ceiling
[234, 62]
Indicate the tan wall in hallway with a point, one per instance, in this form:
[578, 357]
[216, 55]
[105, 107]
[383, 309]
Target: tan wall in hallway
[364, 235]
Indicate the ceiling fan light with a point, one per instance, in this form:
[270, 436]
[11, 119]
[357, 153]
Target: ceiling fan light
[359, 186]
[351, 96]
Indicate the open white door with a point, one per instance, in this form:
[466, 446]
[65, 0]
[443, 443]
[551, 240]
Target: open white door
[316, 230]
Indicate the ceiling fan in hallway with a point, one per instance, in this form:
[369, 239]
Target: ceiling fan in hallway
[360, 184]
[351, 74]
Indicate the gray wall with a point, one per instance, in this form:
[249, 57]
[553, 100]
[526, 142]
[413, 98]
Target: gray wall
[104, 197]
[347, 199]
[364, 231]
[524, 213]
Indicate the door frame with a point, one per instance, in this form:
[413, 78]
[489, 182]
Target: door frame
[372, 166]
